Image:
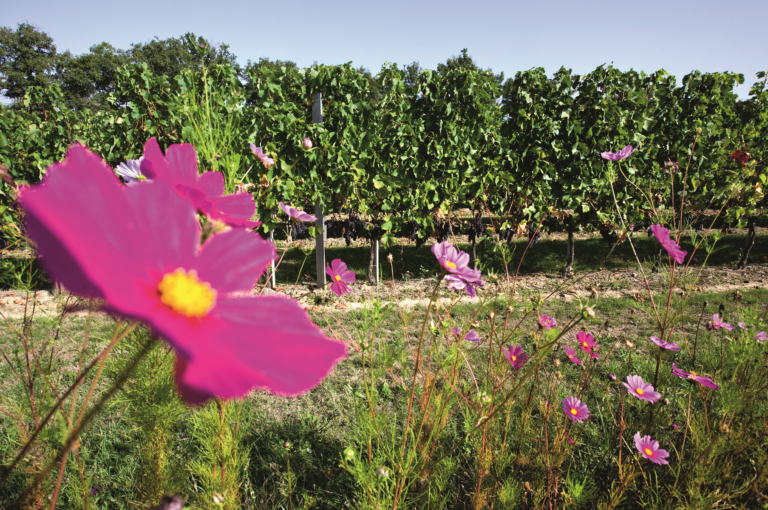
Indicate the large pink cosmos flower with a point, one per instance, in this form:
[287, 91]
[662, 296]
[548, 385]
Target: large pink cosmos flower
[693, 376]
[452, 260]
[670, 346]
[138, 249]
[571, 353]
[620, 154]
[295, 213]
[669, 244]
[178, 170]
[340, 277]
[641, 389]
[761, 336]
[587, 343]
[547, 322]
[516, 356]
[263, 157]
[650, 449]
[575, 409]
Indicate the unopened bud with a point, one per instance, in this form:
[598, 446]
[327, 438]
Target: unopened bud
[218, 499]
[629, 343]
[382, 471]
[557, 362]
[587, 311]
[349, 453]
[307, 143]
[491, 315]
[390, 258]
[699, 130]
[287, 445]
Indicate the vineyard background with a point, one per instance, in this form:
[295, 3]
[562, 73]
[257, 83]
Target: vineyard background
[399, 154]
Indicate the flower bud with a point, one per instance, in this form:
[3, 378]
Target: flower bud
[390, 258]
[349, 453]
[287, 445]
[699, 130]
[307, 143]
[587, 311]
[382, 471]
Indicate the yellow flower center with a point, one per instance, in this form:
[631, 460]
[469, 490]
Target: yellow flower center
[693, 375]
[574, 411]
[585, 344]
[184, 293]
[648, 452]
[514, 358]
[639, 391]
[337, 278]
[450, 264]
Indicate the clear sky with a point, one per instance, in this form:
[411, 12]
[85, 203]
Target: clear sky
[509, 36]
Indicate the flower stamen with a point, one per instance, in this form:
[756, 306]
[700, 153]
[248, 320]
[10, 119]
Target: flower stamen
[184, 293]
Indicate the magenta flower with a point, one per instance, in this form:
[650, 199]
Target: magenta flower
[621, 154]
[741, 325]
[263, 157]
[571, 353]
[650, 449]
[670, 346]
[470, 335]
[641, 389]
[575, 409]
[295, 213]
[675, 426]
[306, 143]
[693, 376]
[137, 248]
[761, 336]
[516, 356]
[467, 281]
[340, 276]
[612, 376]
[587, 343]
[547, 322]
[178, 170]
[669, 244]
[718, 323]
[452, 260]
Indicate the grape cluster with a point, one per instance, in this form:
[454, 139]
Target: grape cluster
[476, 229]
[534, 236]
[609, 236]
[299, 231]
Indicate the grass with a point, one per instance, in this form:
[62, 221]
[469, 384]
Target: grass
[298, 448]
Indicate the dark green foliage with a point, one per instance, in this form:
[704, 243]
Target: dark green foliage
[27, 59]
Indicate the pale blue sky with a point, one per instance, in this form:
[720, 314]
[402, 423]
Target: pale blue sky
[677, 35]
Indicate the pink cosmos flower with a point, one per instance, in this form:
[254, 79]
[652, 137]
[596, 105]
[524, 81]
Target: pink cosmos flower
[650, 449]
[137, 248]
[452, 260]
[263, 157]
[306, 143]
[178, 170]
[741, 325]
[761, 336]
[471, 335]
[620, 154]
[516, 356]
[669, 244]
[571, 353]
[612, 377]
[467, 281]
[295, 213]
[670, 346]
[340, 276]
[547, 322]
[693, 376]
[641, 389]
[575, 409]
[675, 426]
[718, 323]
[587, 343]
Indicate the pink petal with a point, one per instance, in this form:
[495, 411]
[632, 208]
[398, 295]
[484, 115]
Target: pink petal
[348, 277]
[338, 267]
[211, 183]
[261, 341]
[232, 261]
[239, 205]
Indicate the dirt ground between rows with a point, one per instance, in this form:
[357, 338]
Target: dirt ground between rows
[628, 284]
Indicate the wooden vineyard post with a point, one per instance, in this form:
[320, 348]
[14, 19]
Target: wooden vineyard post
[272, 239]
[377, 262]
[317, 118]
